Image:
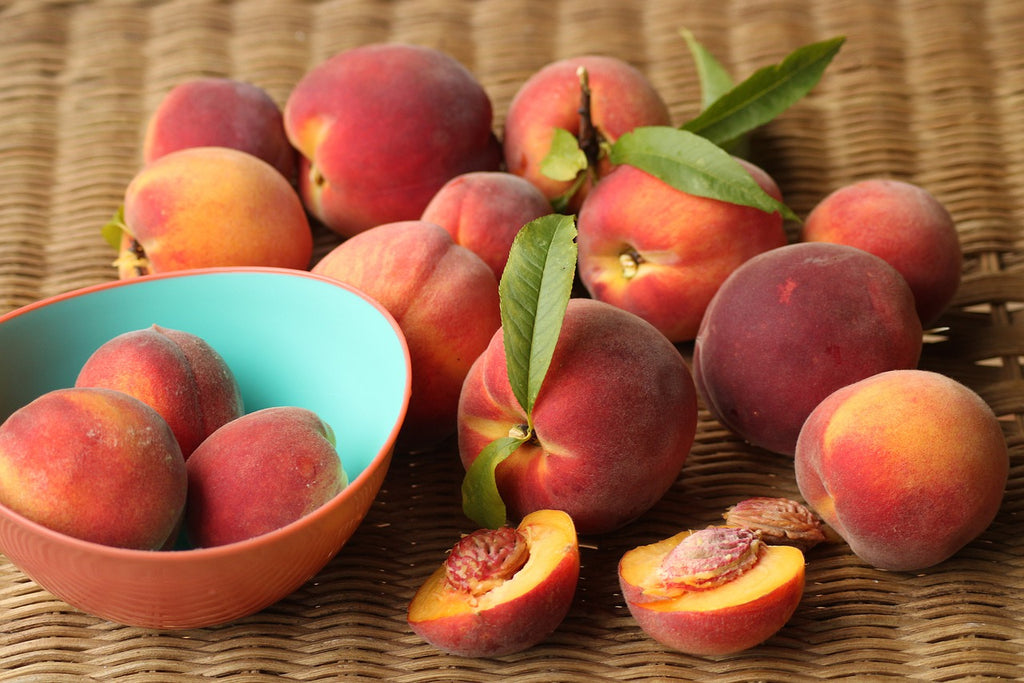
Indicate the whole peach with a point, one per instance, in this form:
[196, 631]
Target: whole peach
[260, 472]
[95, 464]
[661, 253]
[621, 99]
[220, 112]
[908, 466]
[445, 300]
[211, 206]
[485, 210]
[502, 590]
[381, 128]
[613, 422]
[902, 223]
[175, 372]
[792, 325]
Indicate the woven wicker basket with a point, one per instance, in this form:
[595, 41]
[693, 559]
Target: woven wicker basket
[930, 91]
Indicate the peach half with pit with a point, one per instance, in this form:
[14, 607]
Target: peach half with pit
[500, 591]
[716, 591]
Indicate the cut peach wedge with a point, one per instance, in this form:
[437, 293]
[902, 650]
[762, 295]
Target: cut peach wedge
[502, 590]
[715, 591]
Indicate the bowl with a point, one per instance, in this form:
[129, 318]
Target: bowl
[291, 338]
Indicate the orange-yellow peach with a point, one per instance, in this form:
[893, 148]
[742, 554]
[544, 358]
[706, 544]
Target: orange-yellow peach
[613, 422]
[716, 591]
[661, 253]
[211, 206]
[792, 325]
[96, 464]
[175, 372]
[259, 473]
[500, 591]
[445, 300]
[484, 212]
[381, 128]
[621, 99]
[220, 112]
[902, 223]
[908, 466]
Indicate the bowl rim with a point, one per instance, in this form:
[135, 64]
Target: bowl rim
[381, 458]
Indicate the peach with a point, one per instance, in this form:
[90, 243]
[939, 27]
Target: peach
[908, 466]
[211, 206]
[176, 373]
[259, 473]
[621, 99]
[500, 591]
[96, 464]
[716, 591]
[445, 300]
[381, 128]
[902, 223]
[661, 253]
[220, 112]
[484, 212]
[613, 422]
[792, 325]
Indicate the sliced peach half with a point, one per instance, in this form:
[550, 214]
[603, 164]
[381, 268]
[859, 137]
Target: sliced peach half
[501, 590]
[715, 591]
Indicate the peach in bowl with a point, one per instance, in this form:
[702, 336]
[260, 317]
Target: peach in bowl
[316, 360]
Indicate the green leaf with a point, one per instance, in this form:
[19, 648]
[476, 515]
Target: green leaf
[715, 81]
[534, 292]
[114, 228]
[765, 94]
[481, 501]
[692, 164]
[565, 159]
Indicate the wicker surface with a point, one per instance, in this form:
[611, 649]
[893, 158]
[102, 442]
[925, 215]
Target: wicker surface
[926, 90]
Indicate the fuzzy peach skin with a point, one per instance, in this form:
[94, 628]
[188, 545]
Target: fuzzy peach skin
[622, 98]
[662, 254]
[792, 325]
[220, 112]
[902, 223]
[907, 466]
[484, 212]
[381, 128]
[175, 372]
[613, 422]
[212, 206]
[95, 464]
[517, 612]
[260, 472]
[445, 300]
[722, 620]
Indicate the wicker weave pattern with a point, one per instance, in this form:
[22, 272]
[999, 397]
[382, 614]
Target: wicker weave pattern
[930, 91]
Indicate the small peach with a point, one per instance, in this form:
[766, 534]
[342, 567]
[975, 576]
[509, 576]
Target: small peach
[908, 466]
[220, 112]
[96, 464]
[500, 591]
[175, 372]
[260, 472]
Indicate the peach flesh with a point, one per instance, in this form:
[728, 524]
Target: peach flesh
[513, 614]
[724, 619]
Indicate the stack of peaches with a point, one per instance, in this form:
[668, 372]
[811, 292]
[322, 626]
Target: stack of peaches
[804, 344]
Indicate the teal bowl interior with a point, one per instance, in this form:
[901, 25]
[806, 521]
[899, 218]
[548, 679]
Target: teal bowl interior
[291, 338]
